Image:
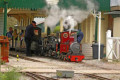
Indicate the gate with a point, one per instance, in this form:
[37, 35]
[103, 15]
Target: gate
[112, 47]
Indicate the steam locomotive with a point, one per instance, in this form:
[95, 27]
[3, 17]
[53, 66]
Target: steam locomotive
[62, 46]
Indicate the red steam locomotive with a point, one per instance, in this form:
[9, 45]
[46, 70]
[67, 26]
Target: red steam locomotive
[69, 48]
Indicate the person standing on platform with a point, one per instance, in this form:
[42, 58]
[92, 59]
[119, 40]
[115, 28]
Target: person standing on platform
[10, 36]
[80, 36]
[21, 37]
[15, 37]
[29, 33]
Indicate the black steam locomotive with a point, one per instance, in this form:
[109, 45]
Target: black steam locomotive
[64, 46]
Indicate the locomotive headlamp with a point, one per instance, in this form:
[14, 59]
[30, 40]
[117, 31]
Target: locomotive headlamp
[55, 39]
[59, 40]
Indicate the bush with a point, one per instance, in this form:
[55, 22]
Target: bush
[57, 29]
[10, 75]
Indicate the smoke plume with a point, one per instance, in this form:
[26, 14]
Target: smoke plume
[55, 13]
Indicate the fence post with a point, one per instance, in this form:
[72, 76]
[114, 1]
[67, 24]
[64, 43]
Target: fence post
[118, 49]
[109, 46]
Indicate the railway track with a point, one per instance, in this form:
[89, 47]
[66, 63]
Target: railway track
[34, 60]
[36, 76]
[26, 58]
[96, 77]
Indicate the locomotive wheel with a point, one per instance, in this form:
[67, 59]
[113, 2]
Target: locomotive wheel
[60, 56]
[68, 60]
[63, 57]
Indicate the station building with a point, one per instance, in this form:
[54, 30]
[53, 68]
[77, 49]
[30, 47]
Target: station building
[26, 10]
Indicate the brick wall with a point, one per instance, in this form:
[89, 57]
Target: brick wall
[87, 51]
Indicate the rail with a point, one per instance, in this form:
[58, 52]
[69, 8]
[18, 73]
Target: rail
[36, 76]
[96, 77]
[26, 58]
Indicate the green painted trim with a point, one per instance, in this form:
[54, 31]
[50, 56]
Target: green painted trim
[5, 18]
[116, 15]
[104, 5]
[96, 29]
[24, 4]
[48, 31]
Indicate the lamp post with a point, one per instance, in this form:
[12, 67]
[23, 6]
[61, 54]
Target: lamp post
[99, 42]
[98, 15]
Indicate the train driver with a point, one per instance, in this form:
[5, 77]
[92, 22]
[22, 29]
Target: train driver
[28, 37]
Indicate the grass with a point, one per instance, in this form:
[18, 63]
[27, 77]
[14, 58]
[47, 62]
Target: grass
[10, 75]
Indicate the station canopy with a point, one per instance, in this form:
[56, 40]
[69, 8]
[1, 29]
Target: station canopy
[24, 4]
[104, 5]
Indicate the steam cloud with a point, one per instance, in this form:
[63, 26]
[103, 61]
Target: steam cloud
[56, 13]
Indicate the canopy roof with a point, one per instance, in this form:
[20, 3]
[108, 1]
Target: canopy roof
[104, 5]
[24, 4]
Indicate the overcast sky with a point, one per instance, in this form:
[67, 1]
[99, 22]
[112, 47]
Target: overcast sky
[115, 2]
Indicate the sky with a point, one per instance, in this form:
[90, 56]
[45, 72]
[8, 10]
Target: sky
[115, 2]
[52, 1]
[39, 20]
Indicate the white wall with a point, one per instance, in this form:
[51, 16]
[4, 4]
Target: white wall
[1, 23]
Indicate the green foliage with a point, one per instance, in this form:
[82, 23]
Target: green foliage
[10, 75]
[57, 29]
[2, 62]
[11, 22]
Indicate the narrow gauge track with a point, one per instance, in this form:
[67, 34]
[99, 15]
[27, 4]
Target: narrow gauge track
[40, 77]
[26, 58]
[35, 76]
[96, 77]
[34, 60]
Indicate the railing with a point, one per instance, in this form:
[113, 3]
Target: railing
[112, 47]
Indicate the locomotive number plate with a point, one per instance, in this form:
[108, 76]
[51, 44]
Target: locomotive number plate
[65, 35]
